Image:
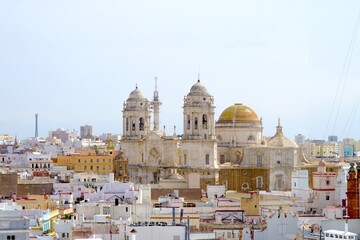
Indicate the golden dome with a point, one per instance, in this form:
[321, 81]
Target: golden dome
[238, 113]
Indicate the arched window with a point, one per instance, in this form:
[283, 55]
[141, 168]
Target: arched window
[188, 121]
[196, 123]
[204, 121]
[141, 124]
[259, 160]
[259, 182]
[251, 138]
[127, 124]
[133, 125]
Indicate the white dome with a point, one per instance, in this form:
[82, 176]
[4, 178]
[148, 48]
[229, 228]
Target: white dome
[198, 89]
[136, 95]
[280, 140]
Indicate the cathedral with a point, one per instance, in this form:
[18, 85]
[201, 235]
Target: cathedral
[231, 151]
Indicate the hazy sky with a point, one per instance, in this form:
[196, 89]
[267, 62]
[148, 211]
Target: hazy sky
[75, 62]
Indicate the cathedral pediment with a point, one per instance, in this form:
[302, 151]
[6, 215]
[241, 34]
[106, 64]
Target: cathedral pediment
[153, 136]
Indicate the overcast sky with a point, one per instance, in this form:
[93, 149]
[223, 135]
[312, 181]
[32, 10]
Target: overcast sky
[76, 62]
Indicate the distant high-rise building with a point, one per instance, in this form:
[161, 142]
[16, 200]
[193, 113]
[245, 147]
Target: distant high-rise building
[63, 135]
[332, 138]
[299, 139]
[86, 131]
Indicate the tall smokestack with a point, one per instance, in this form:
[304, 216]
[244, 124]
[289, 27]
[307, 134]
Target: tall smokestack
[36, 125]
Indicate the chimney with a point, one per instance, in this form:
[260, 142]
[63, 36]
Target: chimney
[181, 215]
[173, 216]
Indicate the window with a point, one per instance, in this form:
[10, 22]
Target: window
[127, 124]
[251, 138]
[188, 121]
[279, 181]
[222, 159]
[327, 197]
[259, 160]
[141, 124]
[184, 159]
[204, 121]
[207, 159]
[133, 125]
[196, 123]
[11, 237]
[259, 182]
[106, 210]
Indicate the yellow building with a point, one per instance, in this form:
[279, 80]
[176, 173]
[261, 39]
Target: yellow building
[244, 179]
[251, 204]
[325, 151]
[36, 202]
[100, 164]
[121, 167]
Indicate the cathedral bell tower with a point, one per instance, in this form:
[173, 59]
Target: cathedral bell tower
[136, 116]
[199, 114]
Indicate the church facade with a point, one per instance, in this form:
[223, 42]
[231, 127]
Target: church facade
[231, 151]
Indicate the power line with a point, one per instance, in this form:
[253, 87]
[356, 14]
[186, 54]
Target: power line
[345, 69]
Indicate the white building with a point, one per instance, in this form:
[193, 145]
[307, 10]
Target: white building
[323, 188]
[300, 184]
[13, 226]
[236, 139]
[40, 162]
[158, 153]
[156, 232]
[341, 186]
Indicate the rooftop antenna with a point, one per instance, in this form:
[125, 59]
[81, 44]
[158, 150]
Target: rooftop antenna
[199, 74]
